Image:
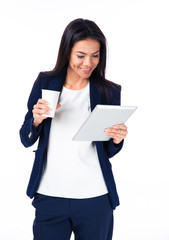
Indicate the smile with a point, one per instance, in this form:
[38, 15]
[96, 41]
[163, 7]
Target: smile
[86, 70]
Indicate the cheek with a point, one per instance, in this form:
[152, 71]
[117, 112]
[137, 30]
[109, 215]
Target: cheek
[96, 62]
[74, 63]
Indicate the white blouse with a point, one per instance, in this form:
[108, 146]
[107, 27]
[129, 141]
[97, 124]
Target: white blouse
[72, 169]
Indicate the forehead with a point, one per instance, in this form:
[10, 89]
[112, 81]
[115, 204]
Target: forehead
[86, 46]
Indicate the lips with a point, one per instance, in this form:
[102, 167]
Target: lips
[86, 70]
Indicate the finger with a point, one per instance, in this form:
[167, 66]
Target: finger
[58, 106]
[41, 111]
[113, 130]
[116, 136]
[42, 101]
[39, 118]
[120, 126]
[41, 106]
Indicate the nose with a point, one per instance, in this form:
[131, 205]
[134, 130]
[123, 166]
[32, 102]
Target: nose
[87, 61]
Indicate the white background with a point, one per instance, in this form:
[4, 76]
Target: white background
[138, 38]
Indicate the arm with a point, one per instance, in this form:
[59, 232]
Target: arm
[110, 146]
[28, 132]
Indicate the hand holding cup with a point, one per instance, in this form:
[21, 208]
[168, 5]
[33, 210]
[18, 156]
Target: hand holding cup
[46, 106]
[39, 110]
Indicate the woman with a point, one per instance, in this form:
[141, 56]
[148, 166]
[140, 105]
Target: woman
[72, 182]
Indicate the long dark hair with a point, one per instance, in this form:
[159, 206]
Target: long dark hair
[77, 30]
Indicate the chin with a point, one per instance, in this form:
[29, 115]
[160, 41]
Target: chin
[85, 74]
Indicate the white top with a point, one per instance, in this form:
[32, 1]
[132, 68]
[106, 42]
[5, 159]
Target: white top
[72, 169]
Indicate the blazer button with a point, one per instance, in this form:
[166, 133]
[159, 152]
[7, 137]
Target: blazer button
[30, 135]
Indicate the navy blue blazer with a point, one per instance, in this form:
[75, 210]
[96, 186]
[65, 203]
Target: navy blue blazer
[29, 134]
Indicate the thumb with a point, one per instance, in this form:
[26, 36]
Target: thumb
[58, 106]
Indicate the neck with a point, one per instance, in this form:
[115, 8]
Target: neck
[75, 82]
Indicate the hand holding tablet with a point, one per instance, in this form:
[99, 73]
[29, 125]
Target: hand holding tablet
[117, 132]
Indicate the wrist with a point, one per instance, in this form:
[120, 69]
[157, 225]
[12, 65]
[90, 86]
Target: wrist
[116, 141]
[35, 124]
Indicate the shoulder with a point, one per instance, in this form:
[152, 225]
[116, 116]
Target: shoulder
[111, 92]
[112, 86]
[44, 79]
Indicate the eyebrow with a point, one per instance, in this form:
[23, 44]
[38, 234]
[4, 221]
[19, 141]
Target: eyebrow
[85, 53]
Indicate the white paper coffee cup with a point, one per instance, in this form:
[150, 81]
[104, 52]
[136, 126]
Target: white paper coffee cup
[51, 97]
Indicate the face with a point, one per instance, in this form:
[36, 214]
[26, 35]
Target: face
[84, 58]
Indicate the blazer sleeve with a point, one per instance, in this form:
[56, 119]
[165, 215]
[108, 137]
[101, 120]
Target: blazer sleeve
[28, 133]
[110, 147]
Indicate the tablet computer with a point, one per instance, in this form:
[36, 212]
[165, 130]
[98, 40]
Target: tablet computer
[103, 116]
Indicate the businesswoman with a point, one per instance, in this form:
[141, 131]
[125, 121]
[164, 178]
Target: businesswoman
[72, 182]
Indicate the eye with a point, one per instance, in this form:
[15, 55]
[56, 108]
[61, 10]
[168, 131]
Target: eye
[80, 56]
[96, 56]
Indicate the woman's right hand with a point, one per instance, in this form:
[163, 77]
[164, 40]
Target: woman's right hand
[39, 109]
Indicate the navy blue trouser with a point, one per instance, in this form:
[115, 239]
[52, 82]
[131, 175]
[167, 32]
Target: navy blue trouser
[57, 217]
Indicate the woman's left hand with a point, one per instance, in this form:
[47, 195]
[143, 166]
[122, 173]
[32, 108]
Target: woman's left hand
[117, 132]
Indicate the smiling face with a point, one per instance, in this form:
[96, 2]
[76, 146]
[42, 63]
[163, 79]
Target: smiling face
[84, 58]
